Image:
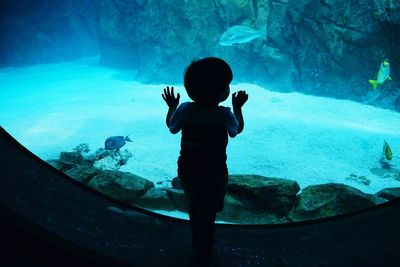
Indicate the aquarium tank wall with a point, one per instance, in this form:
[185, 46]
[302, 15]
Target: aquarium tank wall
[81, 84]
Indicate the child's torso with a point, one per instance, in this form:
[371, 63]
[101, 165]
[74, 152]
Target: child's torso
[204, 139]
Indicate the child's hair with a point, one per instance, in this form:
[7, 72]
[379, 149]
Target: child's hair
[206, 80]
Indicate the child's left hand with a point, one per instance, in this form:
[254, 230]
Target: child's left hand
[169, 97]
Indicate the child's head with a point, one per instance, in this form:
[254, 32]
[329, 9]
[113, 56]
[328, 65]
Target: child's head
[207, 80]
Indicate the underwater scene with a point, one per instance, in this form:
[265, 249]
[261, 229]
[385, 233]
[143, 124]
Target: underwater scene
[81, 85]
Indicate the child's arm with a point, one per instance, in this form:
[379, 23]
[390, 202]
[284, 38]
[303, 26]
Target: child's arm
[171, 101]
[238, 100]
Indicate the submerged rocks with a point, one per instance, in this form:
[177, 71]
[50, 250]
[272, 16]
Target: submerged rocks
[236, 211]
[122, 186]
[264, 193]
[250, 199]
[179, 199]
[319, 201]
[155, 199]
[82, 173]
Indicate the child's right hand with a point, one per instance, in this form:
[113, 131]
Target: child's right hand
[239, 98]
[169, 97]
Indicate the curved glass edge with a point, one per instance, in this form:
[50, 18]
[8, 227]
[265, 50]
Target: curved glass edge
[4, 134]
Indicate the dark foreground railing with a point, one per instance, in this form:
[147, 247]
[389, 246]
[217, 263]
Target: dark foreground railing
[48, 219]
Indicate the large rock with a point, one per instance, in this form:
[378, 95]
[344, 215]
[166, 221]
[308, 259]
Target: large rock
[122, 186]
[179, 199]
[155, 199]
[320, 47]
[235, 211]
[82, 173]
[264, 194]
[389, 193]
[318, 201]
[251, 199]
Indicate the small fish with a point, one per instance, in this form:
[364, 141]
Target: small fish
[387, 151]
[116, 142]
[383, 75]
[241, 34]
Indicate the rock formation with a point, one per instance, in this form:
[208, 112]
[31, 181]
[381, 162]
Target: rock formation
[322, 47]
[250, 199]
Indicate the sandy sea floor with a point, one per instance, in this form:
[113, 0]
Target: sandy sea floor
[54, 107]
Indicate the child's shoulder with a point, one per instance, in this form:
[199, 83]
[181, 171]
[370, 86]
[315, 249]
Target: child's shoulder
[224, 109]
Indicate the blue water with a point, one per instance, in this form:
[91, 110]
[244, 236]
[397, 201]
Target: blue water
[51, 108]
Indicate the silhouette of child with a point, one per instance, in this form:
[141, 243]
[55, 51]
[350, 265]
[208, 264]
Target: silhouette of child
[205, 128]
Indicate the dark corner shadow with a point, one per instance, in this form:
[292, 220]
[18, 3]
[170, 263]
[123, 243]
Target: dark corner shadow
[40, 204]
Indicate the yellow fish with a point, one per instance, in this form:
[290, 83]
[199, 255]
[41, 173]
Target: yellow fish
[387, 151]
[383, 74]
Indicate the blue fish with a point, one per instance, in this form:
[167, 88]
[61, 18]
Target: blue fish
[116, 142]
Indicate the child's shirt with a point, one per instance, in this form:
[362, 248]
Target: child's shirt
[205, 133]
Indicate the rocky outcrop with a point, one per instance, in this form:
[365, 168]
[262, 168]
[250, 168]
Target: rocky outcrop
[264, 194]
[250, 199]
[236, 210]
[319, 201]
[122, 186]
[46, 31]
[155, 199]
[82, 173]
[323, 47]
[179, 199]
